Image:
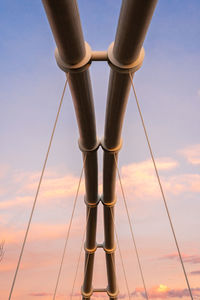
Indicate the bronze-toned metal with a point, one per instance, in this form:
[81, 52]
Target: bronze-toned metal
[65, 23]
[134, 20]
[74, 56]
[133, 23]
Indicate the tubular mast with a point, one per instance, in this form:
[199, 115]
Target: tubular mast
[125, 56]
[74, 57]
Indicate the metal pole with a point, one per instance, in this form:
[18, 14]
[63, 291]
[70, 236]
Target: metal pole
[124, 56]
[73, 56]
[134, 20]
[65, 24]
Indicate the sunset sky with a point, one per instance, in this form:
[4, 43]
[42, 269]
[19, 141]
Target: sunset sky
[168, 88]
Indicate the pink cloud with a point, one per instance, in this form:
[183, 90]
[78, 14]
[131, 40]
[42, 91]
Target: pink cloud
[157, 292]
[193, 259]
[192, 154]
[53, 186]
[195, 272]
[18, 201]
[164, 292]
[184, 183]
[40, 294]
[139, 179]
[42, 231]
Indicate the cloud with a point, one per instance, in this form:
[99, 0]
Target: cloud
[54, 187]
[41, 294]
[42, 231]
[158, 292]
[18, 201]
[192, 259]
[192, 154]
[139, 179]
[164, 292]
[183, 183]
[195, 272]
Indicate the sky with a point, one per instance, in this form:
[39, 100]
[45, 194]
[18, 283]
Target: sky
[168, 89]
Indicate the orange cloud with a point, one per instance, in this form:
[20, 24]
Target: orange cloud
[193, 259]
[197, 272]
[53, 186]
[164, 292]
[192, 154]
[40, 294]
[139, 179]
[18, 201]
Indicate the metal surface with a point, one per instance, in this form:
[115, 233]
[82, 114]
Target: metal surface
[133, 23]
[65, 23]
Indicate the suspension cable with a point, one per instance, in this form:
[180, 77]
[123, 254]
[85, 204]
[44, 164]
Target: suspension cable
[161, 189]
[68, 230]
[120, 253]
[79, 258]
[131, 229]
[37, 192]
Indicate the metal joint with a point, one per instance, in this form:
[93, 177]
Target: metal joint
[111, 150]
[92, 204]
[80, 66]
[90, 251]
[99, 56]
[100, 290]
[122, 68]
[112, 295]
[86, 295]
[86, 150]
[108, 204]
[110, 251]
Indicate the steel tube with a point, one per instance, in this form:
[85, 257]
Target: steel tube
[80, 87]
[135, 16]
[109, 246]
[63, 16]
[81, 90]
[134, 20]
[112, 282]
[99, 56]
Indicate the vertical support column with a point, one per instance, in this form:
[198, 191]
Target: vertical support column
[109, 200]
[125, 56]
[91, 202]
[73, 56]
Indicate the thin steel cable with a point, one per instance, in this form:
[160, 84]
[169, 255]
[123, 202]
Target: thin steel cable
[131, 229]
[121, 258]
[69, 228]
[161, 189]
[37, 192]
[79, 258]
